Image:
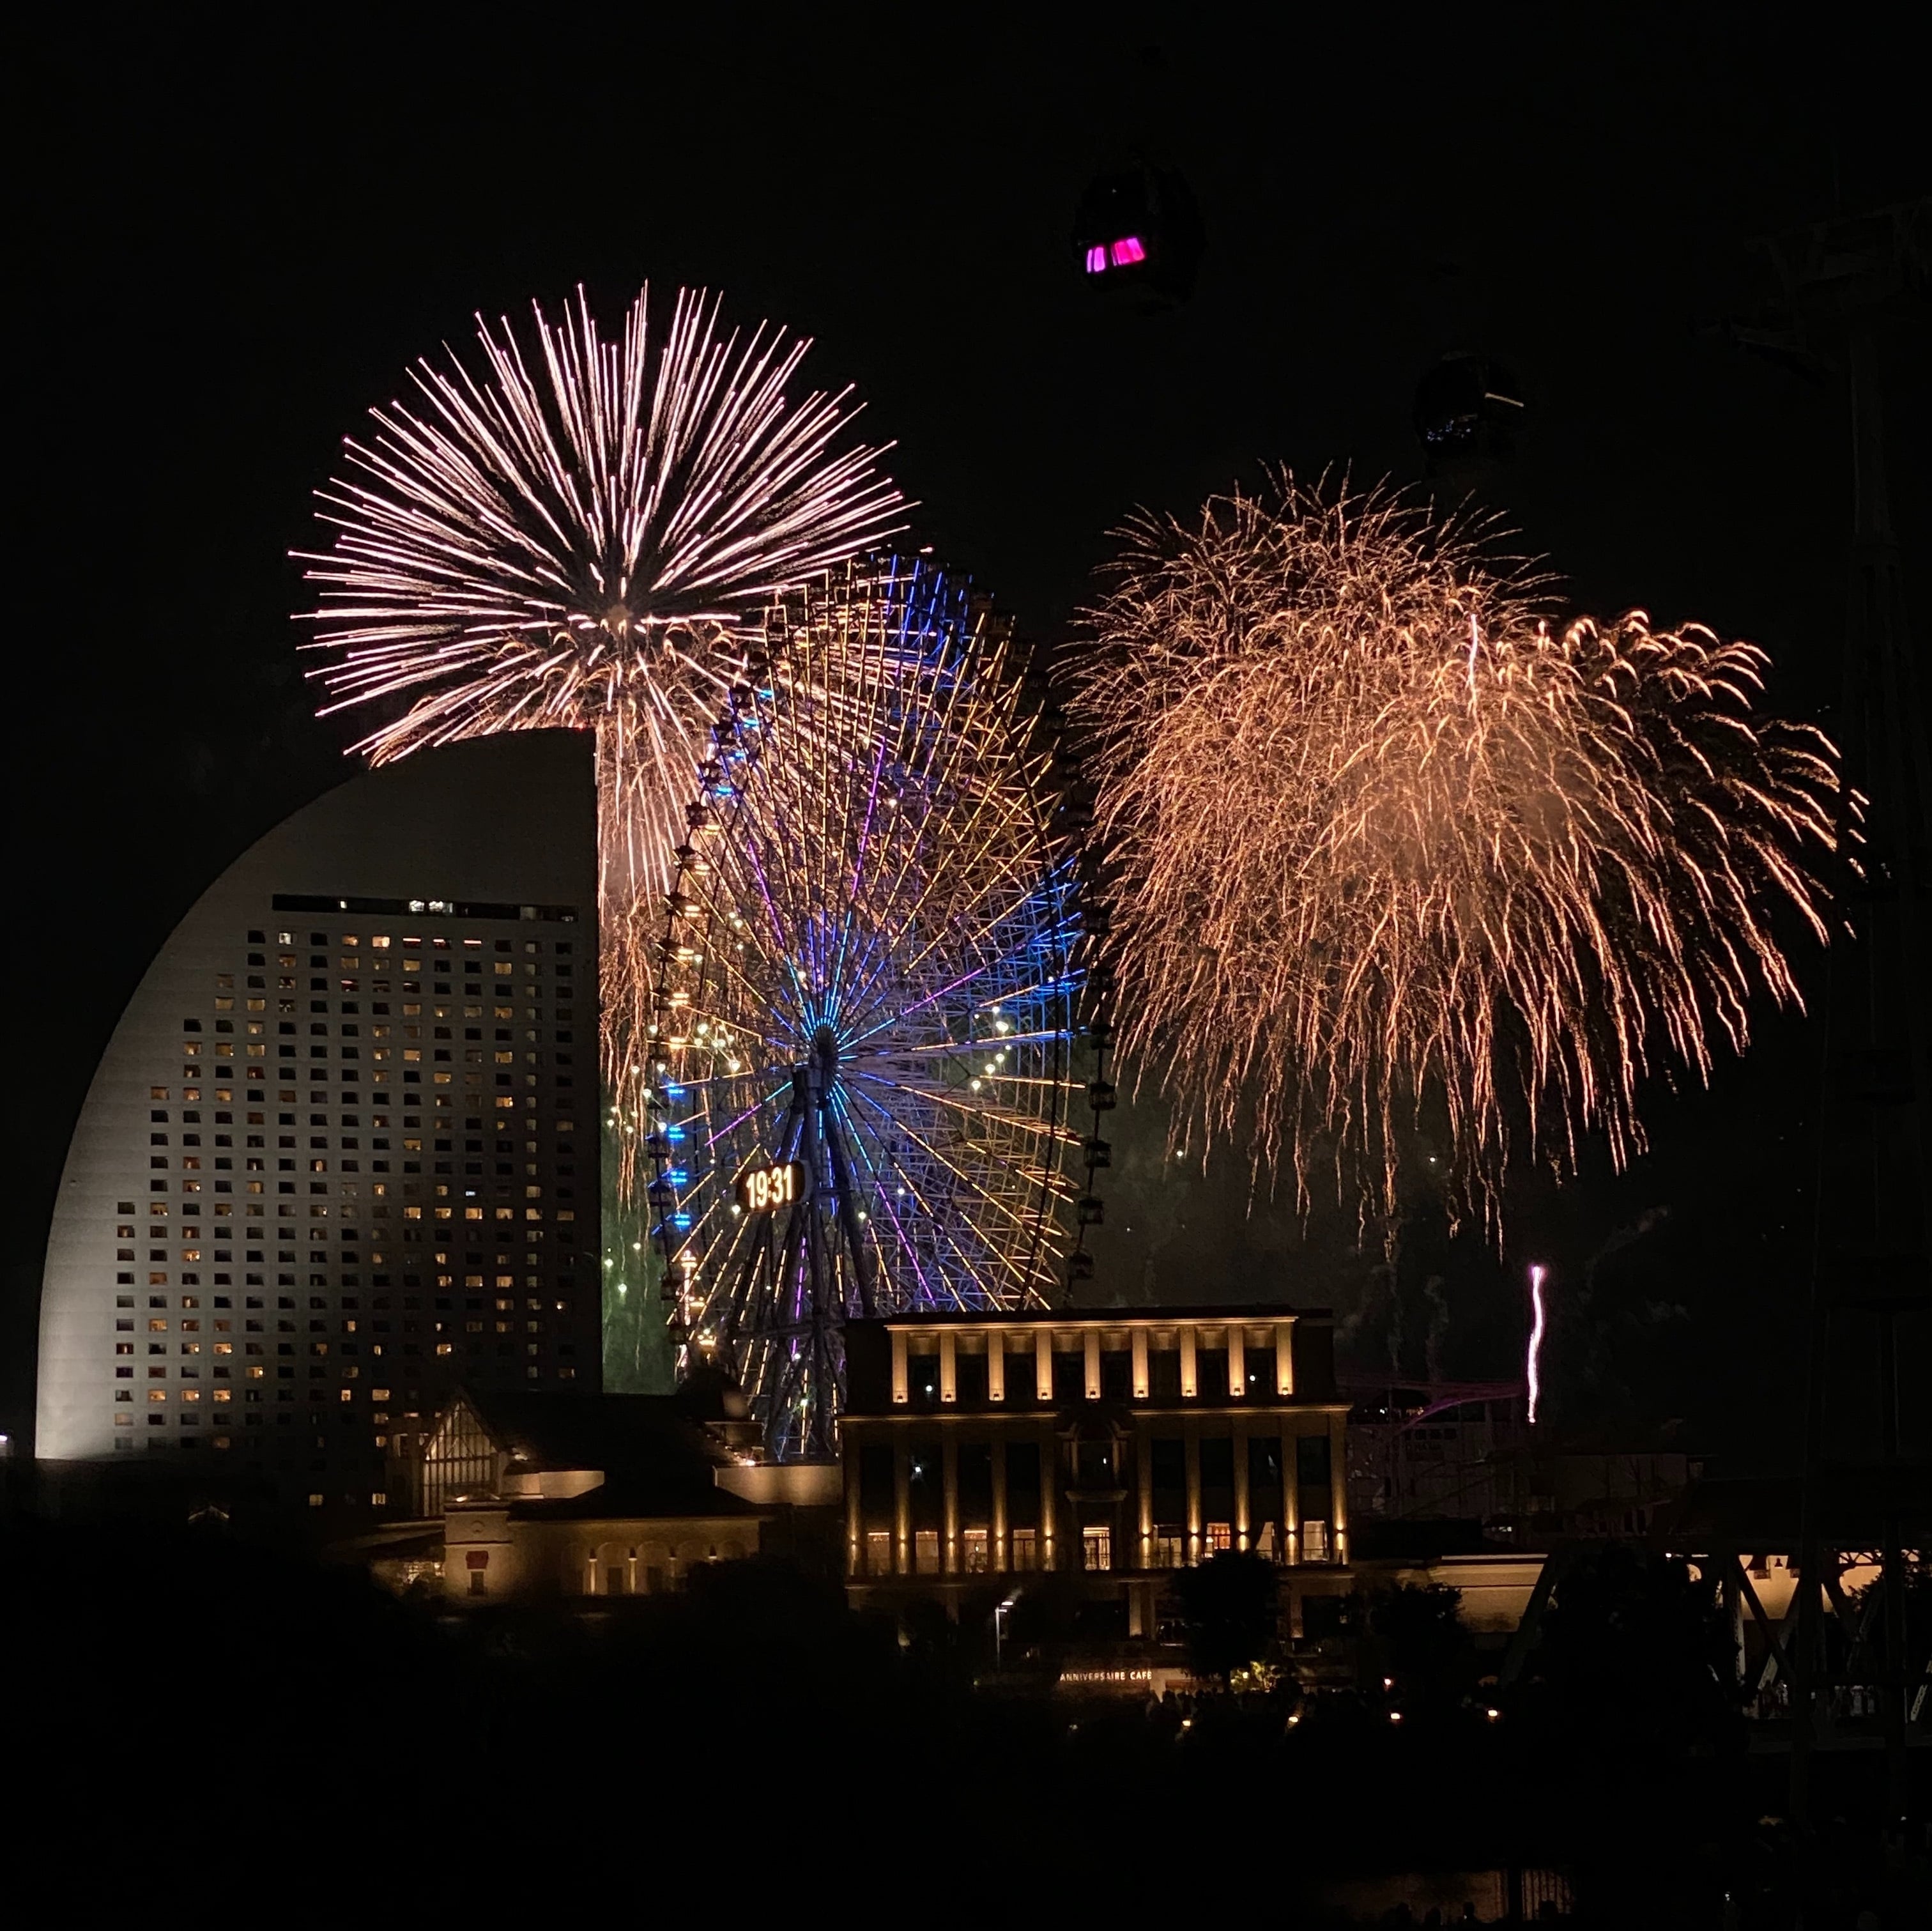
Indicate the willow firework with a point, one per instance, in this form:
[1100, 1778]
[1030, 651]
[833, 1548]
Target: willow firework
[1392, 850]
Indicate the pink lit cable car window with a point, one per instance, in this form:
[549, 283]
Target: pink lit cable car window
[1123, 253]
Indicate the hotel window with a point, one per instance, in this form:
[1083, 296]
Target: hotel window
[1023, 1544]
[1219, 1538]
[1313, 1479]
[1168, 1548]
[1096, 1547]
[926, 1551]
[974, 1541]
[878, 1552]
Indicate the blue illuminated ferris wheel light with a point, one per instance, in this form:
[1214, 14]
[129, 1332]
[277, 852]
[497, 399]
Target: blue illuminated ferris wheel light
[869, 976]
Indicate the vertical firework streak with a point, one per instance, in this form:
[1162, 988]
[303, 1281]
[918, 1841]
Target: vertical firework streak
[1534, 1359]
[1392, 850]
[578, 532]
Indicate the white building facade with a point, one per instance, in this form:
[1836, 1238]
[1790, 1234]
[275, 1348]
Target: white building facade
[341, 1154]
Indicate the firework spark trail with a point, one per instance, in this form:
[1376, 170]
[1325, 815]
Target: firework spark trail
[588, 533]
[1391, 849]
[1534, 1358]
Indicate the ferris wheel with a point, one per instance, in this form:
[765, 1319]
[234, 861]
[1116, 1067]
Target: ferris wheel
[857, 1096]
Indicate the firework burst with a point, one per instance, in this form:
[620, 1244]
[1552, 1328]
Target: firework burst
[1391, 848]
[574, 532]
[577, 532]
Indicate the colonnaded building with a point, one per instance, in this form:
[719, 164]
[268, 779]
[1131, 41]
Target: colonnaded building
[341, 1154]
[1113, 1445]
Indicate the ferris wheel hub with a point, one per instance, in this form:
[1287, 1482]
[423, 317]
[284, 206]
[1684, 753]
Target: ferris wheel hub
[825, 1056]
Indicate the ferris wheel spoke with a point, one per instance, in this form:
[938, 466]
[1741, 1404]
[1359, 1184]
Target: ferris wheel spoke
[881, 882]
[934, 1286]
[910, 968]
[961, 1050]
[741, 1117]
[861, 850]
[951, 1102]
[976, 1187]
[889, 936]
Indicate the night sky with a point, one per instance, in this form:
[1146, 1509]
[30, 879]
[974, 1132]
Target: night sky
[237, 243]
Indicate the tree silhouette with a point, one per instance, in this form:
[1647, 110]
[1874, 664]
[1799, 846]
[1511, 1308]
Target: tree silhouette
[1421, 1641]
[1228, 1608]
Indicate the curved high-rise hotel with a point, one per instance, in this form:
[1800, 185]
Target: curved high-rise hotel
[341, 1154]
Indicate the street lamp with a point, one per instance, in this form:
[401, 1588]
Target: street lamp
[999, 1610]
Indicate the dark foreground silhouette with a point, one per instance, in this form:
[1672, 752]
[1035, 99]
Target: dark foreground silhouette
[180, 1702]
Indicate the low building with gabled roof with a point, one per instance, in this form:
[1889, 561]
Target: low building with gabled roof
[543, 1497]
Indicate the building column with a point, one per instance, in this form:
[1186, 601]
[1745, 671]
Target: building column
[1290, 1494]
[1237, 1363]
[901, 1510]
[1240, 1452]
[948, 1365]
[996, 1366]
[1042, 1365]
[1049, 1493]
[1188, 1385]
[996, 1555]
[855, 1524]
[1284, 1358]
[1092, 1339]
[1139, 1344]
[1144, 1480]
[1191, 1439]
[948, 1463]
[1338, 1491]
[898, 1364]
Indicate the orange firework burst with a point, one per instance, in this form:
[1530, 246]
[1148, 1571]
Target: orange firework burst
[1390, 849]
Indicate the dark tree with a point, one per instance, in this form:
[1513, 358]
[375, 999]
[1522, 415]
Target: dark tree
[1419, 1641]
[1228, 1606]
[1636, 1657]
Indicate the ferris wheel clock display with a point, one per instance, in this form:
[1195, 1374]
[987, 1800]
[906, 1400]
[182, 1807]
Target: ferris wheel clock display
[860, 1077]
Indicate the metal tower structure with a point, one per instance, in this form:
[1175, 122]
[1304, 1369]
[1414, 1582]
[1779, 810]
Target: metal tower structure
[1867, 1488]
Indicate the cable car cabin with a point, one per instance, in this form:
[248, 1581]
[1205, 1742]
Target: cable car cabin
[1139, 233]
[1467, 410]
